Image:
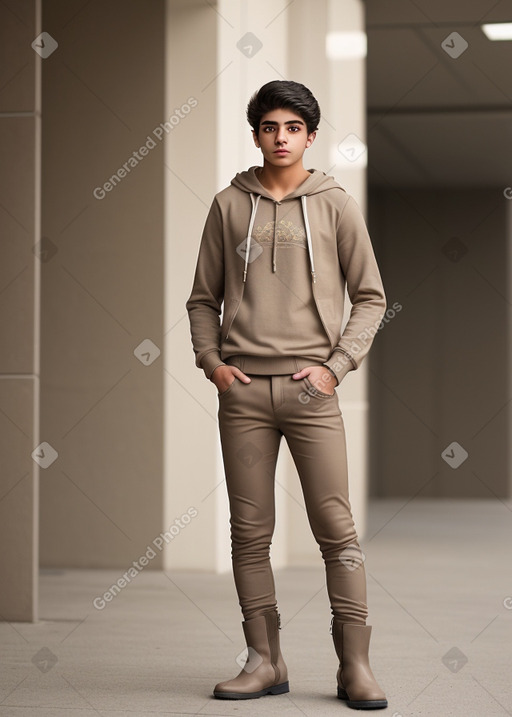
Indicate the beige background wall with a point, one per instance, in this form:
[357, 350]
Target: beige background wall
[137, 437]
[190, 445]
[138, 444]
[218, 130]
[339, 85]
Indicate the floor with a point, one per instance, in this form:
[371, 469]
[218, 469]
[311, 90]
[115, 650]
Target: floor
[440, 602]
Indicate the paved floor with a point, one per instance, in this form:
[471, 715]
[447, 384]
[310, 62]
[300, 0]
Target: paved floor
[440, 601]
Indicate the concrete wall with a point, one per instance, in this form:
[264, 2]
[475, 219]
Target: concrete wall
[102, 406]
[441, 363]
[20, 127]
[143, 108]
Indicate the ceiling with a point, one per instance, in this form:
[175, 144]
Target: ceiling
[434, 119]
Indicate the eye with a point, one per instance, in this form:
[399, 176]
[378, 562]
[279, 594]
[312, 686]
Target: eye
[295, 127]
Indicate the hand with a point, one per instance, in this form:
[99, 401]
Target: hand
[221, 377]
[320, 377]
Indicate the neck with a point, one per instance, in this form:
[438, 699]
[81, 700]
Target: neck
[282, 177]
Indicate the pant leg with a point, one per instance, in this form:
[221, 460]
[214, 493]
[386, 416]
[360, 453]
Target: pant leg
[250, 444]
[313, 428]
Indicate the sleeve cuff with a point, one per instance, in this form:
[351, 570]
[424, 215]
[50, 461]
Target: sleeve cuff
[339, 364]
[210, 361]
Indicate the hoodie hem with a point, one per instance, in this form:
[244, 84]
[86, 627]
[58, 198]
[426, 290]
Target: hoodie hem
[271, 365]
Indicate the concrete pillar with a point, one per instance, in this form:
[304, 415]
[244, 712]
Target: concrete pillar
[348, 159]
[242, 46]
[102, 284]
[20, 156]
[193, 476]
[250, 44]
[508, 260]
[328, 56]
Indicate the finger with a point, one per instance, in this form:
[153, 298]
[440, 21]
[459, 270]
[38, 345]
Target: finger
[241, 375]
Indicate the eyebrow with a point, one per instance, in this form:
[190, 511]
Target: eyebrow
[289, 122]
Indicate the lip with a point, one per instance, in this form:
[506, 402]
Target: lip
[281, 151]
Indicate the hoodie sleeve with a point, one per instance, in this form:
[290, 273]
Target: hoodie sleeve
[365, 289]
[204, 303]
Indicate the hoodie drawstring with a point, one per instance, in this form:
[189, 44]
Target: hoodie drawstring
[249, 231]
[308, 234]
[274, 245]
[251, 225]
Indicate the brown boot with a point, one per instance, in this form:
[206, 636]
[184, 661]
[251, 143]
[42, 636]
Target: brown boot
[264, 672]
[356, 682]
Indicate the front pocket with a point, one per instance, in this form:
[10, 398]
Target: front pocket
[313, 390]
[228, 389]
[234, 306]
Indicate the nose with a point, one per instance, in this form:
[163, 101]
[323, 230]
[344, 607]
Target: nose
[280, 135]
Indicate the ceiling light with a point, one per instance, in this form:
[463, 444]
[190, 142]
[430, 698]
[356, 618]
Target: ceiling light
[345, 45]
[498, 30]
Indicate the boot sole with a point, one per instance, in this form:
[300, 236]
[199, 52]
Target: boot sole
[275, 690]
[361, 704]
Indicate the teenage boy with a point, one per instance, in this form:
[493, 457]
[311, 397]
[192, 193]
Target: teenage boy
[278, 248]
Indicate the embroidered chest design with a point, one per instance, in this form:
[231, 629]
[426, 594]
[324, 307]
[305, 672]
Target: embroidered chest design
[287, 234]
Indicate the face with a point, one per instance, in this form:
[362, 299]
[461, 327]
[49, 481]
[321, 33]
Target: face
[284, 130]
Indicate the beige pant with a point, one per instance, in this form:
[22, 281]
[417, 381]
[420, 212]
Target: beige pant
[252, 419]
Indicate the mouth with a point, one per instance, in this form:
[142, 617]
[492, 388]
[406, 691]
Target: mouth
[281, 151]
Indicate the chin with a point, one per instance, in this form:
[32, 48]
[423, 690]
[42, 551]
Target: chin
[281, 161]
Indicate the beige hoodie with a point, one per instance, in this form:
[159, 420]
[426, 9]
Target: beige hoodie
[281, 268]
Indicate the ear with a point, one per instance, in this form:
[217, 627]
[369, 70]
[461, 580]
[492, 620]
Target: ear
[310, 139]
[255, 138]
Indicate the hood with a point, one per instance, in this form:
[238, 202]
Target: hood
[318, 182]
[247, 181]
